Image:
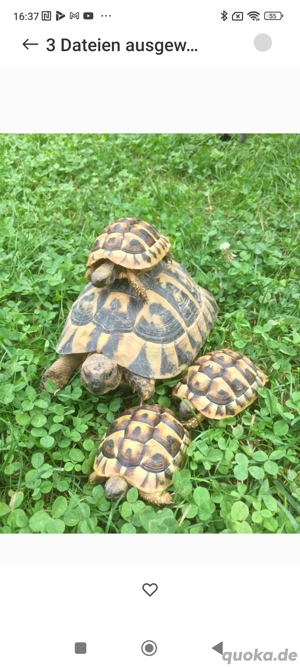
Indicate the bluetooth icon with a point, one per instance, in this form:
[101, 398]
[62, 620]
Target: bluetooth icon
[224, 16]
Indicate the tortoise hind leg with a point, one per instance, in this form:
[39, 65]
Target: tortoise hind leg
[168, 257]
[157, 498]
[138, 287]
[62, 370]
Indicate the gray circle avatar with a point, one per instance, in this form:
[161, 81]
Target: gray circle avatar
[262, 42]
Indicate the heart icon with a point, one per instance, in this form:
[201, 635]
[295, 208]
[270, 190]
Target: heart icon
[150, 589]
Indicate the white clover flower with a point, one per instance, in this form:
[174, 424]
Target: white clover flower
[224, 246]
[228, 256]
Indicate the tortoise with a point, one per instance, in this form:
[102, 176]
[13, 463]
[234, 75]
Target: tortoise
[115, 337]
[141, 448]
[217, 385]
[124, 249]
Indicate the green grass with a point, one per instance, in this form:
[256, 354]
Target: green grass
[56, 193]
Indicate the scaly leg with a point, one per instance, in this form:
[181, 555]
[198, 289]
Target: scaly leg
[62, 370]
[138, 287]
[94, 478]
[157, 498]
[144, 387]
[192, 423]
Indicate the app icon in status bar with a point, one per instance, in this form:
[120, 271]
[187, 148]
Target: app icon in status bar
[46, 16]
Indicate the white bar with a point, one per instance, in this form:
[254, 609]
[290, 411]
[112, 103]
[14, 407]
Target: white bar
[150, 550]
[196, 99]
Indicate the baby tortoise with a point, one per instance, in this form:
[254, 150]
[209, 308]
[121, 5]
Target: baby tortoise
[124, 249]
[219, 384]
[141, 448]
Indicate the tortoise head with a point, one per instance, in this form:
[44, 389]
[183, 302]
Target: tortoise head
[115, 487]
[100, 374]
[105, 274]
[184, 409]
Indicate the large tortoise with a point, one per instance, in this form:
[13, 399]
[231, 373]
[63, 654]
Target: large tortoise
[141, 448]
[219, 384]
[124, 249]
[116, 337]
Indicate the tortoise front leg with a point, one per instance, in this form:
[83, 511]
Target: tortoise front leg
[168, 257]
[62, 370]
[138, 287]
[192, 423]
[144, 387]
[157, 497]
[94, 478]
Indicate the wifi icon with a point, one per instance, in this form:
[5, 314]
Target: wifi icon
[254, 16]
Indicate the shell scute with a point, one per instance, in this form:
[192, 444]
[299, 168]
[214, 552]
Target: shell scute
[130, 452]
[110, 448]
[156, 461]
[140, 432]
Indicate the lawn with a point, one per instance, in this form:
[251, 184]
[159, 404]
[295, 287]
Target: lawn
[57, 192]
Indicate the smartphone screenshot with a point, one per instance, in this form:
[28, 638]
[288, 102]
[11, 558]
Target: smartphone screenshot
[149, 333]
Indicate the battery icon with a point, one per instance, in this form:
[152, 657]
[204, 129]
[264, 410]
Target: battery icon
[273, 16]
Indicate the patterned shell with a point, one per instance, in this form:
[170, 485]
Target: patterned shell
[220, 384]
[157, 339]
[145, 445]
[131, 243]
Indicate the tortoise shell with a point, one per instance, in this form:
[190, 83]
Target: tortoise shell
[157, 339]
[131, 243]
[220, 384]
[145, 445]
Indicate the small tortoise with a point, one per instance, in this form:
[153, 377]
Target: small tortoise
[141, 448]
[219, 384]
[117, 338]
[124, 249]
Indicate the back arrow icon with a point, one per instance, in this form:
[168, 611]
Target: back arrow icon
[27, 44]
[218, 648]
